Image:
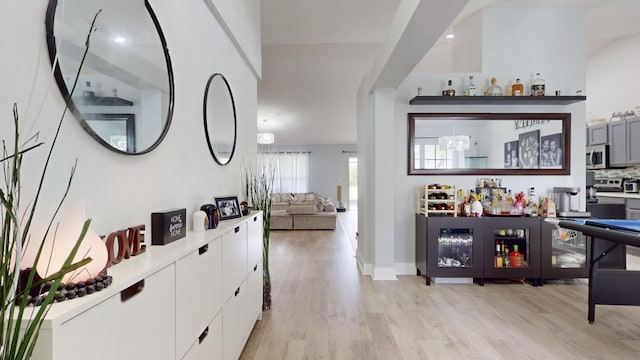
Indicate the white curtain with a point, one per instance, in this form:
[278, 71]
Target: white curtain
[292, 172]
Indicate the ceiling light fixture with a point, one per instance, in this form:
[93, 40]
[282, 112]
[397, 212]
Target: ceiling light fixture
[450, 36]
[454, 143]
[119, 39]
[266, 138]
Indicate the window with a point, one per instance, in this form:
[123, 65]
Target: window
[429, 156]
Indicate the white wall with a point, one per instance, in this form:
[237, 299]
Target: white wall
[556, 48]
[121, 191]
[613, 79]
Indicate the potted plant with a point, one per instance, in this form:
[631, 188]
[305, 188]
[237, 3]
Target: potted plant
[20, 328]
[257, 182]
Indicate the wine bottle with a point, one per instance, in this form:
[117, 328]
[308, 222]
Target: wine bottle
[498, 257]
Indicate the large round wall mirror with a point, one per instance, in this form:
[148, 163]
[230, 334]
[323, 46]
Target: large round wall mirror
[220, 125]
[124, 92]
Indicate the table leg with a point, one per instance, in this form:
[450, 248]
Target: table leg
[592, 264]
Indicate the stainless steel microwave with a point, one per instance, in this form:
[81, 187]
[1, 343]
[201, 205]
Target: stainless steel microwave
[597, 157]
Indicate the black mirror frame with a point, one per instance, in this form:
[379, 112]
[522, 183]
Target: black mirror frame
[51, 45]
[566, 135]
[205, 119]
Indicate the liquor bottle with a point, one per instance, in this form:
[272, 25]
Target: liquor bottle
[503, 255]
[517, 89]
[537, 86]
[507, 260]
[515, 257]
[471, 88]
[493, 90]
[498, 258]
[450, 91]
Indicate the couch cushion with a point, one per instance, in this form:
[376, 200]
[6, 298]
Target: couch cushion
[280, 197]
[329, 207]
[302, 209]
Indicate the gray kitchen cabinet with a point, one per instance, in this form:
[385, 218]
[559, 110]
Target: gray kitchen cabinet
[597, 135]
[618, 143]
[633, 209]
[623, 149]
[633, 145]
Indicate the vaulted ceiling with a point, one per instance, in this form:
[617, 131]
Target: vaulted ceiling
[315, 54]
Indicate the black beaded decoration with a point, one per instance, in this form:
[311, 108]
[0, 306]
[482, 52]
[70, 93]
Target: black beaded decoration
[70, 290]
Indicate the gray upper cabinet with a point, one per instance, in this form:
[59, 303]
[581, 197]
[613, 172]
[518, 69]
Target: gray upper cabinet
[623, 149]
[598, 135]
[633, 145]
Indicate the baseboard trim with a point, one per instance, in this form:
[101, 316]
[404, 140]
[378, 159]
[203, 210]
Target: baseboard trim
[406, 268]
[384, 273]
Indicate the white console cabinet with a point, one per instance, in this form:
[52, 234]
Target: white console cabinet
[196, 298]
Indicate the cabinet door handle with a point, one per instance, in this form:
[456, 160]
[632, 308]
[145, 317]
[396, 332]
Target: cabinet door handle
[255, 218]
[237, 292]
[132, 291]
[203, 249]
[203, 335]
[255, 268]
[237, 229]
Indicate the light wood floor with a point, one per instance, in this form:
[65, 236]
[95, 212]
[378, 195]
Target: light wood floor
[323, 309]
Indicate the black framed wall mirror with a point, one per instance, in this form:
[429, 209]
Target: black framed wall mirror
[127, 70]
[489, 144]
[220, 123]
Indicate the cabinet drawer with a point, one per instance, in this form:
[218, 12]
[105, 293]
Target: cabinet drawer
[208, 346]
[254, 240]
[198, 293]
[234, 325]
[116, 329]
[234, 259]
[255, 283]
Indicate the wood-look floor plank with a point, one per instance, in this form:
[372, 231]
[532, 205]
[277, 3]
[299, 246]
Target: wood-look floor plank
[324, 309]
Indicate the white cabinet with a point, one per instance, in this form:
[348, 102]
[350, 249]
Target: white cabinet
[139, 317]
[234, 259]
[234, 323]
[254, 240]
[196, 298]
[209, 343]
[198, 293]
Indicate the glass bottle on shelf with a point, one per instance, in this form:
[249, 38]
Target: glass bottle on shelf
[493, 90]
[449, 91]
[517, 89]
[471, 88]
[498, 257]
[515, 257]
[537, 86]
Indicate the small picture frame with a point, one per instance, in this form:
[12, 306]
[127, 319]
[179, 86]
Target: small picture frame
[228, 207]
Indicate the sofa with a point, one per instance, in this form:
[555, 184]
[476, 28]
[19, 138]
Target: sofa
[302, 211]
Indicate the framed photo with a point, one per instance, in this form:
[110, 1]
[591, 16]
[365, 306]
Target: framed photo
[228, 207]
[511, 154]
[529, 146]
[551, 151]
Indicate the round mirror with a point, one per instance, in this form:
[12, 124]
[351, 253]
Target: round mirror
[220, 119]
[124, 91]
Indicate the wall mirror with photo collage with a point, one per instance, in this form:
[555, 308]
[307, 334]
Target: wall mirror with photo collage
[489, 144]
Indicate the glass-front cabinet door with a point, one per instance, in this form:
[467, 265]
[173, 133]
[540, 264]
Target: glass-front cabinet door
[564, 253]
[512, 248]
[454, 248]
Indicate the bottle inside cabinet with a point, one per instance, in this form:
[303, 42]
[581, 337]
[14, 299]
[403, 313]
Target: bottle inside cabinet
[455, 248]
[437, 200]
[511, 248]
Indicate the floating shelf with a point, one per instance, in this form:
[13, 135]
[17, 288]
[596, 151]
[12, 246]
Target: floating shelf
[496, 100]
[103, 101]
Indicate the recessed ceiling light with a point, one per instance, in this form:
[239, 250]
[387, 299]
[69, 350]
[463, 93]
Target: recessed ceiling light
[119, 39]
[449, 36]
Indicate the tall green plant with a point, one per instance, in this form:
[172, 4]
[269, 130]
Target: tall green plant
[257, 184]
[20, 326]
